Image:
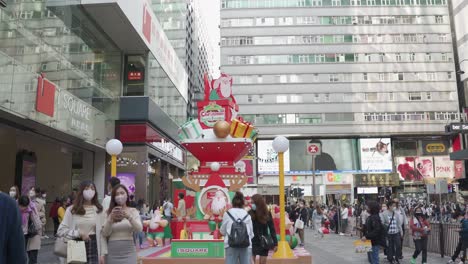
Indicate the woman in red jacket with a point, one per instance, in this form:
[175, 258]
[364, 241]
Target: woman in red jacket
[420, 229]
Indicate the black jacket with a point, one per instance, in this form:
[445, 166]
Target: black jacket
[373, 230]
[263, 229]
[11, 233]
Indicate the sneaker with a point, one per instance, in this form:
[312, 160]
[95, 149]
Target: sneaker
[301, 245]
[341, 234]
[413, 261]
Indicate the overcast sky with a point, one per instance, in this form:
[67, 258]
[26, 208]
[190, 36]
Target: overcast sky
[210, 11]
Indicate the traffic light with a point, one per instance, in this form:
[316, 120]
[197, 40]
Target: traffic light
[300, 193]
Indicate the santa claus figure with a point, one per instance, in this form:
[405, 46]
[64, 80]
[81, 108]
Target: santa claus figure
[217, 206]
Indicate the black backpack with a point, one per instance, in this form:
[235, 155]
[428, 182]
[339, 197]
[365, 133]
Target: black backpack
[238, 237]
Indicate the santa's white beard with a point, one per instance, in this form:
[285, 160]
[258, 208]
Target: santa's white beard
[225, 90]
[218, 205]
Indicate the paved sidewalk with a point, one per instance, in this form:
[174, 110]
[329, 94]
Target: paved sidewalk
[335, 249]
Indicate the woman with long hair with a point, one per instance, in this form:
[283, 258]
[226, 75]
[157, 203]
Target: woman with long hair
[83, 220]
[29, 213]
[263, 225]
[238, 254]
[121, 222]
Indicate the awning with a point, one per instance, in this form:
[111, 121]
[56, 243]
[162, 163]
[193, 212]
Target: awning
[459, 155]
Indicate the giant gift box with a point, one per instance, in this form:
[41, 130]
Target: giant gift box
[209, 112]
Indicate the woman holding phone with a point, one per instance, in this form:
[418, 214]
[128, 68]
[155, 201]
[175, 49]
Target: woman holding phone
[121, 222]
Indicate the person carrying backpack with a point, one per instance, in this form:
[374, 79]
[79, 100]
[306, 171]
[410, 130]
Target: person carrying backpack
[374, 231]
[237, 229]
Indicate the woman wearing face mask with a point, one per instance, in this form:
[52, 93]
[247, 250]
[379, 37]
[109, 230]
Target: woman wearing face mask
[34, 242]
[14, 192]
[29, 213]
[420, 229]
[263, 225]
[83, 220]
[301, 213]
[121, 222]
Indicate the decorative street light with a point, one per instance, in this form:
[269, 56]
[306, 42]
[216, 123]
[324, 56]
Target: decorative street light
[280, 145]
[114, 147]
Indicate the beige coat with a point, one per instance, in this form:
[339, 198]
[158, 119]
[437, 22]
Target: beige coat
[34, 243]
[68, 230]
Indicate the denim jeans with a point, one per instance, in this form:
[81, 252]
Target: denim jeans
[238, 255]
[375, 255]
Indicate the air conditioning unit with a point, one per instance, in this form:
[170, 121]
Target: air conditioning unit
[3, 3]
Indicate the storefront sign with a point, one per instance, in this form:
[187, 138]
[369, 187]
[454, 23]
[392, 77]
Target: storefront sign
[338, 189]
[135, 76]
[211, 114]
[458, 127]
[45, 97]
[159, 44]
[337, 178]
[80, 114]
[376, 180]
[170, 149]
[197, 248]
[444, 167]
[435, 147]
[367, 190]
[376, 154]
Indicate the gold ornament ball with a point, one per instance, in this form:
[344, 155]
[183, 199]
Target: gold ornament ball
[221, 129]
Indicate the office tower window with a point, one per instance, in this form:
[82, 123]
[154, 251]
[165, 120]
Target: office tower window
[414, 96]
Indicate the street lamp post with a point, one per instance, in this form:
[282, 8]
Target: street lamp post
[281, 145]
[114, 147]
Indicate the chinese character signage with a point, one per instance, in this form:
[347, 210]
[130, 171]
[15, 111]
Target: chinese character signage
[376, 180]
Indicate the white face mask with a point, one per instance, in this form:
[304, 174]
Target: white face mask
[32, 194]
[89, 194]
[12, 194]
[121, 199]
[44, 196]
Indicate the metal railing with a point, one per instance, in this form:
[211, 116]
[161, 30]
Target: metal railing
[443, 238]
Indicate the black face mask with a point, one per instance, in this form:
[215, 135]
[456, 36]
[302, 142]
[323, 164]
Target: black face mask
[419, 214]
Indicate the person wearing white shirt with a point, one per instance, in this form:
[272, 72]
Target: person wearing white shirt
[113, 181]
[237, 255]
[344, 219]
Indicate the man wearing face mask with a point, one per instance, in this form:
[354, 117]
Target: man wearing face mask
[393, 227]
[113, 181]
[400, 212]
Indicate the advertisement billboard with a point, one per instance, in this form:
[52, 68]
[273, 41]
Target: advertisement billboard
[127, 180]
[268, 158]
[425, 166]
[405, 168]
[444, 167]
[376, 154]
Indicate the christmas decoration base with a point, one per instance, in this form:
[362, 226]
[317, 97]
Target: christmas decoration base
[164, 255]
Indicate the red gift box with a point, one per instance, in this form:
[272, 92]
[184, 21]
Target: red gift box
[210, 112]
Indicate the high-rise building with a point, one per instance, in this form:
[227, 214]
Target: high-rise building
[185, 25]
[340, 67]
[460, 20]
[341, 71]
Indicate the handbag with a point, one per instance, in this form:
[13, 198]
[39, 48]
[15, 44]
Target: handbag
[76, 252]
[60, 247]
[32, 229]
[266, 241]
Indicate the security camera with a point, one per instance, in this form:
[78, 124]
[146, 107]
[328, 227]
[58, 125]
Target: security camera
[460, 72]
[3, 3]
